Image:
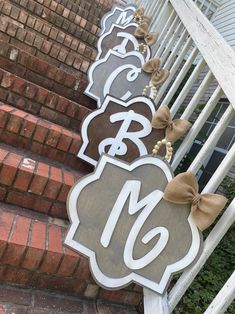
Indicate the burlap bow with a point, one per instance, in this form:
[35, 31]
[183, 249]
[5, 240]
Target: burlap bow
[174, 129]
[158, 75]
[138, 12]
[146, 19]
[142, 33]
[183, 189]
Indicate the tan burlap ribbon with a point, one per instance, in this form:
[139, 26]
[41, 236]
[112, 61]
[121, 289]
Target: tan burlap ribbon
[174, 128]
[139, 12]
[146, 19]
[158, 75]
[139, 15]
[183, 189]
[142, 32]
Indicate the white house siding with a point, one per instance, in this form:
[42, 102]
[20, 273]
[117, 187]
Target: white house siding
[224, 21]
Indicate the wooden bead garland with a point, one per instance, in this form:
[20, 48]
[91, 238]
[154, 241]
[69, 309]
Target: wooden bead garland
[142, 45]
[153, 90]
[169, 148]
[138, 18]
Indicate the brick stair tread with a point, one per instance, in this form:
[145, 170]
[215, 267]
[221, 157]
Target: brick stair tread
[90, 10]
[18, 300]
[39, 101]
[46, 50]
[41, 27]
[41, 79]
[34, 183]
[57, 16]
[44, 74]
[44, 262]
[83, 14]
[42, 137]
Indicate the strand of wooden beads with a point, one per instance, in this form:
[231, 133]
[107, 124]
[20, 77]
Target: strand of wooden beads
[169, 149]
[153, 91]
[142, 48]
[138, 19]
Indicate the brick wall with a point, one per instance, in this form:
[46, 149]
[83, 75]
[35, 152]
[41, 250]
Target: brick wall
[46, 47]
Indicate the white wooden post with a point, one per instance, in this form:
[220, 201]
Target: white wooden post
[220, 61]
[223, 298]
[155, 303]
[206, 41]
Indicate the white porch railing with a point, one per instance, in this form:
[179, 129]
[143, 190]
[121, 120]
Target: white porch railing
[187, 37]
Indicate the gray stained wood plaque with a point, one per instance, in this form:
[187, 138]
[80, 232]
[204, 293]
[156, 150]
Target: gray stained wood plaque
[118, 75]
[121, 222]
[121, 39]
[121, 129]
[119, 16]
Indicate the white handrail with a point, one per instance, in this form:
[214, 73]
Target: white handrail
[183, 17]
[209, 41]
[210, 244]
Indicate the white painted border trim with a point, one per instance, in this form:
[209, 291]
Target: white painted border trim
[98, 62]
[114, 9]
[92, 115]
[99, 43]
[114, 283]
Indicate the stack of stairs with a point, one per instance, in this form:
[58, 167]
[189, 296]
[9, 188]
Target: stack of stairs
[46, 47]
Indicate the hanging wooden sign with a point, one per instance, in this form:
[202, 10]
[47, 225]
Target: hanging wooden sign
[122, 40]
[118, 75]
[118, 16]
[121, 129]
[130, 233]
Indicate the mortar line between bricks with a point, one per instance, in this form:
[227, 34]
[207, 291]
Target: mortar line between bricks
[12, 229]
[61, 259]
[47, 180]
[31, 138]
[10, 234]
[64, 230]
[20, 124]
[7, 119]
[32, 177]
[41, 120]
[16, 174]
[26, 246]
[45, 250]
[64, 248]
[59, 191]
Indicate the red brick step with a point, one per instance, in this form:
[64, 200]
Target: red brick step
[33, 184]
[39, 101]
[23, 130]
[46, 30]
[18, 300]
[43, 48]
[44, 74]
[91, 11]
[60, 18]
[32, 253]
